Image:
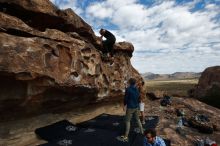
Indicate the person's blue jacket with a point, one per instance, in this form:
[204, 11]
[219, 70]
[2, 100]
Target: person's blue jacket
[158, 142]
[131, 98]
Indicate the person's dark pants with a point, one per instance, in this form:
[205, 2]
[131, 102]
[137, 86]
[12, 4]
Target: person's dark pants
[108, 46]
[128, 116]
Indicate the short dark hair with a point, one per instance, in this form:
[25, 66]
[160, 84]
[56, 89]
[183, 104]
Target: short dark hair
[132, 81]
[101, 30]
[150, 131]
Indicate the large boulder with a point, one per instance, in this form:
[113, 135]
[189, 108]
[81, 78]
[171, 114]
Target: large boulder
[42, 15]
[50, 59]
[208, 88]
[124, 47]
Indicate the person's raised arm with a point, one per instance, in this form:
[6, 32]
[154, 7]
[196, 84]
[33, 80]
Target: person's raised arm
[101, 37]
[102, 32]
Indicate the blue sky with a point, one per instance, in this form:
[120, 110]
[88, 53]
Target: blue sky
[168, 35]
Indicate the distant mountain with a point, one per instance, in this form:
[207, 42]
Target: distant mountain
[174, 76]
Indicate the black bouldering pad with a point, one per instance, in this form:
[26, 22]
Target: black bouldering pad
[89, 137]
[57, 130]
[103, 130]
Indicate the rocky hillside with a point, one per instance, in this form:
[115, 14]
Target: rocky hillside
[50, 60]
[208, 88]
[174, 76]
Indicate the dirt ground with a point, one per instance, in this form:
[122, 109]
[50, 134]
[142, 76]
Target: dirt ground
[168, 120]
[21, 132]
[171, 87]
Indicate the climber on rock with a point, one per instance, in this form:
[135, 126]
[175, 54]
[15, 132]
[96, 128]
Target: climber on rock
[107, 44]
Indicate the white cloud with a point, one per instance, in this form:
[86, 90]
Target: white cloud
[100, 11]
[131, 17]
[182, 33]
[65, 4]
[173, 62]
[120, 3]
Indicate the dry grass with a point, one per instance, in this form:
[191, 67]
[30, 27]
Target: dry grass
[171, 87]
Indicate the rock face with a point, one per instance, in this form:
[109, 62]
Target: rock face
[208, 88]
[51, 59]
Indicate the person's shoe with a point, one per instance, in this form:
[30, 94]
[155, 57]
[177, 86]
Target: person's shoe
[123, 138]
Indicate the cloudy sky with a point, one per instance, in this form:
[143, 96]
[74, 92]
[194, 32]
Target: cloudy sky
[168, 35]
